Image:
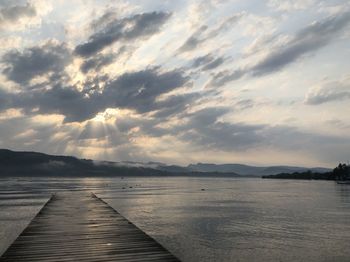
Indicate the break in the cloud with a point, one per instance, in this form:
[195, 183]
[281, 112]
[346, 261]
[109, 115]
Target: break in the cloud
[120, 81]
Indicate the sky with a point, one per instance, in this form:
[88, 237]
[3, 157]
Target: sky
[178, 82]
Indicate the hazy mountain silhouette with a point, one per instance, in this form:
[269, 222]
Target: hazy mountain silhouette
[243, 170]
[253, 170]
[38, 164]
[13, 163]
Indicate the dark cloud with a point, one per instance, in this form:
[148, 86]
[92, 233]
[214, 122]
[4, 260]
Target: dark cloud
[202, 60]
[126, 29]
[194, 40]
[5, 100]
[245, 104]
[21, 67]
[207, 116]
[139, 91]
[320, 98]
[225, 136]
[174, 105]
[205, 129]
[103, 21]
[333, 91]
[306, 41]
[12, 13]
[224, 77]
[203, 34]
[8, 3]
[65, 100]
[214, 64]
[97, 62]
[225, 25]
[207, 62]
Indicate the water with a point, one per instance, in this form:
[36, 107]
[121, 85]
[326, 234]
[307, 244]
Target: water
[208, 219]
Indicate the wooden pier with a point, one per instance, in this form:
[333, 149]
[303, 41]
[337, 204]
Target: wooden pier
[82, 227]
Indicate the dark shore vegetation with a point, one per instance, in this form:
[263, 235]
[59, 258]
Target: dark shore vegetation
[339, 173]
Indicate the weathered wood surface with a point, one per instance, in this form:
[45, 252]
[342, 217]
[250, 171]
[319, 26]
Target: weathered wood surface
[82, 227]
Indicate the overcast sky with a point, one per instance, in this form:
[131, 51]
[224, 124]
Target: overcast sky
[255, 82]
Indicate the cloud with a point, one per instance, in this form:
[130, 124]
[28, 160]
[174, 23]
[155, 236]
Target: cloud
[206, 130]
[194, 40]
[21, 67]
[16, 15]
[174, 105]
[24, 133]
[101, 22]
[60, 99]
[131, 28]
[207, 62]
[97, 62]
[329, 92]
[138, 91]
[5, 103]
[202, 60]
[245, 104]
[306, 41]
[11, 14]
[214, 64]
[203, 34]
[226, 76]
[164, 112]
[340, 124]
[290, 5]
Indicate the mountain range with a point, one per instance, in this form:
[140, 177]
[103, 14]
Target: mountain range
[14, 163]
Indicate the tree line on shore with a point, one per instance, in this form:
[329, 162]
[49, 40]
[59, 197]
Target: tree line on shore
[339, 173]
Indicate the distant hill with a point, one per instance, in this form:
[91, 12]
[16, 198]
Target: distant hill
[341, 173]
[38, 164]
[245, 170]
[303, 176]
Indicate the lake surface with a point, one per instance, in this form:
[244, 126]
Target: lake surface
[207, 219]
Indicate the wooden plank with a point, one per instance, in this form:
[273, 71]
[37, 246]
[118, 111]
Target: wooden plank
[82, 227]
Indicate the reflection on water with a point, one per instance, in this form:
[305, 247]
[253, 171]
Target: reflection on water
[208, 219]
